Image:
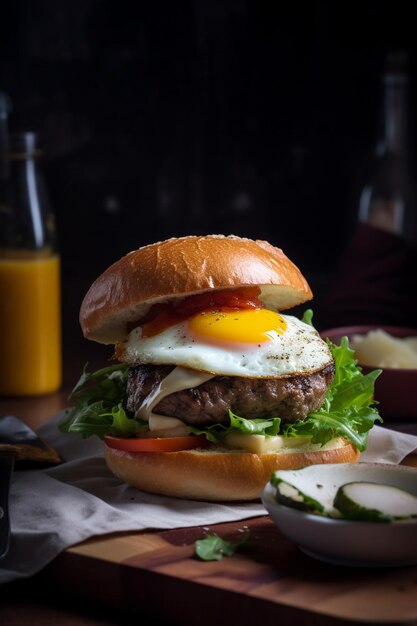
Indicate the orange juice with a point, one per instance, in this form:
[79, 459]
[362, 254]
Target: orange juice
[30, 325]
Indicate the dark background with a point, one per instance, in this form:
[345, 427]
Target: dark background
[166, 117]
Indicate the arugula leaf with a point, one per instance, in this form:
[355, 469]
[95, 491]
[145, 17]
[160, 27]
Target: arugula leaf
[214, 548]
[100, 405]
[108, 383]
[123, 424]
[308, 317]
[216, 432]
[321, 427]
[255, 426]
[87, 420]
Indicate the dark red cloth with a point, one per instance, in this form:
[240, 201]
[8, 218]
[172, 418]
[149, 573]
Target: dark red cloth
[375, 282]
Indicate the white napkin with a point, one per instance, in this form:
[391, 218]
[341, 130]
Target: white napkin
[55, 508]
[388, 446]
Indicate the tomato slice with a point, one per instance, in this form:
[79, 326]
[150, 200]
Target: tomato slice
[156, 444]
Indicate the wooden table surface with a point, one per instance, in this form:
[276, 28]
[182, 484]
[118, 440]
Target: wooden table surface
[154, 577]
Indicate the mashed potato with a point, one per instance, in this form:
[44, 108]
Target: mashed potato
[379, 349]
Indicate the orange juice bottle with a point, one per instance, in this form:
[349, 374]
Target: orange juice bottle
[30, 298]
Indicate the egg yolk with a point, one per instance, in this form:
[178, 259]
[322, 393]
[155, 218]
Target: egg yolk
[243, 326]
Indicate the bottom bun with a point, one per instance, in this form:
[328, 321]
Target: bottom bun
[217, 474]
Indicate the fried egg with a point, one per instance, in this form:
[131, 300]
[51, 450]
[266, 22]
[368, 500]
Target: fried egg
[256, 343]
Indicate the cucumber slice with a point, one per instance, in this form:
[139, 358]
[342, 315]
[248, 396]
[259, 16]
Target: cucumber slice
[289, 495]
[375, 502]
[312, 492]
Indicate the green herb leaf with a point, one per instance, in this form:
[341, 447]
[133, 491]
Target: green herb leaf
[214, 548]
[123, 425]
[100, 405]
[255, 426]
[87, 420]
[215, 433]
[308, 317]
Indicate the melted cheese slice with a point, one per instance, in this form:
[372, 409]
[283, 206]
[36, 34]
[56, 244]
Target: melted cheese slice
[259, 444]
[179, 379]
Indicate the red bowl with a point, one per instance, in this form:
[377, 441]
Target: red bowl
[395, 389]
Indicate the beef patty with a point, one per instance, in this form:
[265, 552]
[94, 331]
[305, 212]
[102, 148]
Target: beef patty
[290, 399]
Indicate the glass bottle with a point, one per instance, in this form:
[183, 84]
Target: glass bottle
[30, 299]
[387, 199]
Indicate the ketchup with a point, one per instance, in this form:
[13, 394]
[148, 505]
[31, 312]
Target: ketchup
[161, 316]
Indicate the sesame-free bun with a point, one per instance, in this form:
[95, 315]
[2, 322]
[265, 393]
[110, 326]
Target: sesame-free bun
[183, 266]
[217, 474]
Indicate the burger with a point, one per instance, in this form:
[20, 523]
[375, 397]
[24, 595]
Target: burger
[212, 387]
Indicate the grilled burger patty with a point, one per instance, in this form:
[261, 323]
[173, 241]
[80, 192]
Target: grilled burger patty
[290, 398]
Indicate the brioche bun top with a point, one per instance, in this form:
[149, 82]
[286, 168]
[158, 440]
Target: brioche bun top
[181, 267]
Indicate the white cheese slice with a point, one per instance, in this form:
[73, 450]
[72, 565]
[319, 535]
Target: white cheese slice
[180, 378]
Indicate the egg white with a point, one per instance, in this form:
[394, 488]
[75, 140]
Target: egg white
[299, 350]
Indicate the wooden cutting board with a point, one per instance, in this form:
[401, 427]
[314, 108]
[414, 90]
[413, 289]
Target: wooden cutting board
[268, 581]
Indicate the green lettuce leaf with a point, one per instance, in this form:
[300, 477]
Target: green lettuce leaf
[216, 432]
[100, 405]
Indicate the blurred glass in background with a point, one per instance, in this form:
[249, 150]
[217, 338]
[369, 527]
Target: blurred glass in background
[388, 197]
[375, 281]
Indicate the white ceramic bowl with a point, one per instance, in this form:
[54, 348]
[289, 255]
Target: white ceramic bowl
[343, 542]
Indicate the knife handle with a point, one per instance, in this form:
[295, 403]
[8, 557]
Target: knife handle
[6, 470]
